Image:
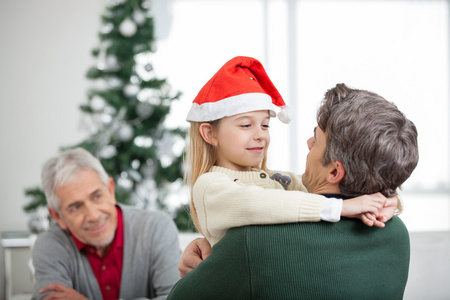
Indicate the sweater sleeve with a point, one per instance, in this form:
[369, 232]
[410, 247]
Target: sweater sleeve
[222, 203]
[56, 259]
[49, 263]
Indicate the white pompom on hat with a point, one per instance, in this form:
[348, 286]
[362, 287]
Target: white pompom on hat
[241, 85]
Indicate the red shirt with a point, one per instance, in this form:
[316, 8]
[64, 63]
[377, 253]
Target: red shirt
[108, 269]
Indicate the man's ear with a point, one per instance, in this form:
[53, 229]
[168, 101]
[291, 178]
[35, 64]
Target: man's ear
[111, 189]
[207, 132]
[336, 172]
[57, 217]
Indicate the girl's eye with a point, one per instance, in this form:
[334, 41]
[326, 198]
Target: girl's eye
[246, 125]
[266, 126]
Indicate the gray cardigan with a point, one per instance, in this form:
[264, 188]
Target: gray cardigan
[151, 255]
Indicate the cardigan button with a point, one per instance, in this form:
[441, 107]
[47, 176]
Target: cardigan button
[262, 175]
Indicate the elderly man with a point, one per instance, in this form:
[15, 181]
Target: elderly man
[99, 249]
[363, 144]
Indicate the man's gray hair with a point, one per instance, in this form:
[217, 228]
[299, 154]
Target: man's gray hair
[374, 141]
[64, 168]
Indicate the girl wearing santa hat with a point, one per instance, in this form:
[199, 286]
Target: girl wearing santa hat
[226, 159]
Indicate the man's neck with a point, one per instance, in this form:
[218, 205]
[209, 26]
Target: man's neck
[101, 251]
[326, 189]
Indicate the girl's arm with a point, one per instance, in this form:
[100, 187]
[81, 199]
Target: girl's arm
[222, 203]
[352, 205]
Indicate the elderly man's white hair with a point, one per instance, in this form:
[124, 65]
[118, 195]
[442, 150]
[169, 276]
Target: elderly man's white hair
[64, 168]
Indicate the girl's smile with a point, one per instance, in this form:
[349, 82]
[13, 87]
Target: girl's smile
[241, 141]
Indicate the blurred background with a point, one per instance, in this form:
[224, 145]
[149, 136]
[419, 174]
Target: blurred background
[398, 49]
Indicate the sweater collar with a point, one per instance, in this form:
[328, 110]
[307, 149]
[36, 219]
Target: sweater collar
[241, 175]
[339, 196]
[255, 174]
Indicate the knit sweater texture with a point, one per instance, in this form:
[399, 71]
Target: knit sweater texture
[150, 258]
[344, 260]
[225, 198]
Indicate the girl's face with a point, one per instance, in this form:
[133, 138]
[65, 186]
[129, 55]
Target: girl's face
[242, 140]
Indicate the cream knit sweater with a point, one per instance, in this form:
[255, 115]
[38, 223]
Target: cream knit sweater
[226, 198]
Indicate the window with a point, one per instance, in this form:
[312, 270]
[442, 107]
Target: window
[398, 49]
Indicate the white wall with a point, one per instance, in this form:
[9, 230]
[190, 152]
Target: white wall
[44, 55]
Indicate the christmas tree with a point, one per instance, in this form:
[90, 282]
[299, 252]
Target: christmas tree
[126, 109]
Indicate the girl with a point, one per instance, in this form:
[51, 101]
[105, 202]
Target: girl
[226, 160]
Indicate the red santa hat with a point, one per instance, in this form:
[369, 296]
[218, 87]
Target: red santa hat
[240, 86]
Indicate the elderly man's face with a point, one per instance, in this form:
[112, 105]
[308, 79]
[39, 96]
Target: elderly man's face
[87, 209]
[315, 174]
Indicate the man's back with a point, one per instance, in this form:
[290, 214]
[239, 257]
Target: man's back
[343, 260]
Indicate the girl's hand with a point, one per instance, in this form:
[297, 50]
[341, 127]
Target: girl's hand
[370, 220]
[368, 208]
[389, 209]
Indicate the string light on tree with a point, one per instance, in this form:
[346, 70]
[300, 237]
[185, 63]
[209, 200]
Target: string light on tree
[111, 63]
[144, 110]
[144, 66]
[131, 90]
[127, 28]
[114, 83]
[107, 152]
[138, 16]
[125, 133]
[97, 103]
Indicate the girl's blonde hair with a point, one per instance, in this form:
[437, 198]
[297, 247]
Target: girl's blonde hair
[200, 158]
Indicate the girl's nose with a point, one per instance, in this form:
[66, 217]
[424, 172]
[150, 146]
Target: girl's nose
[260, 134]
[310, 143]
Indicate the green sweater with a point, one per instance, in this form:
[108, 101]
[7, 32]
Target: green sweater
[343, 260]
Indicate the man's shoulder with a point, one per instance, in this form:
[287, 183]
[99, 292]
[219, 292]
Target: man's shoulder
[140, 220]
[54, 240]
[394, 227]
[397, 223]
[346, 230]
[54, 233]
[398, 230]
[131, 212]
